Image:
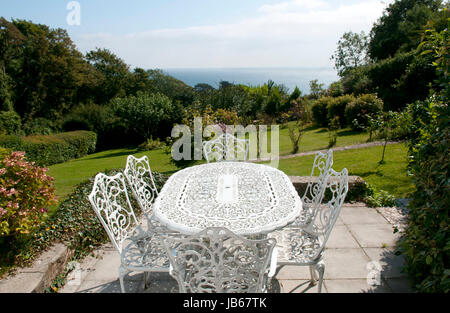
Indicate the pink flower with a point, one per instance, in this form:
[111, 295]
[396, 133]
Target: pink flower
[43, 210]
[2, 211]
[2, 171]
[10, 192]
[18, 154]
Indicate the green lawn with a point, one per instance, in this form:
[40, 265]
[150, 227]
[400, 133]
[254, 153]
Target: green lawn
[317, 139]
[69, 174]
[391, 176]
[361, 162]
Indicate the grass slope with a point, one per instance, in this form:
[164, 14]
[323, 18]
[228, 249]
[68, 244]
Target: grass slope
[391, 176]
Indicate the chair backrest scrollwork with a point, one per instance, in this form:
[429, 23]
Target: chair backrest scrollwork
[141, 182]
[226, 147]
[216, 260]
[110, 201]
[331, 201]
[321, 166]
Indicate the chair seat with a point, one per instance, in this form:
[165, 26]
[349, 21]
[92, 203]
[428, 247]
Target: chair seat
[156, 227]
[296, 246]
[145, 254]
[304, 219]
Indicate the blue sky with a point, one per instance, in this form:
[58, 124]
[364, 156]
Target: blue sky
[207, 33]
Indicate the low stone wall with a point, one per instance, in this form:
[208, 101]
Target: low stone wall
[356, 186]
[40, 276]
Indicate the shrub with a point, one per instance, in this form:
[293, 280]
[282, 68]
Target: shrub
[74, 223]
[111, 133]
[151, 144]
[40, 126]
[145, 115]
[426, 242]
[379, 198]
[4, 152]
[320, 111]
[357, 81]
[332, 131]
[337, 108]
[227, 117]
[47, 150]
[10, 123]
[336, 89]
[358, 110]
[25, 194]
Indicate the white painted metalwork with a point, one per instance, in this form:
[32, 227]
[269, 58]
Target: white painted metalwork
[311, 198]
[305, 247]
[216, 260]
[138, 250]
[140, 180]
[226, 147]
[247, 198]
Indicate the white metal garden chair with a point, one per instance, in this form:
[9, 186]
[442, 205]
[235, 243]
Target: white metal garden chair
[139, 251]
[305, 247]
[315, 187]
[216, 260]
[226, 147]
[141, 182]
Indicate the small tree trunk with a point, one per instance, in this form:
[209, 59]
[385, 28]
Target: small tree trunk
[384, 150]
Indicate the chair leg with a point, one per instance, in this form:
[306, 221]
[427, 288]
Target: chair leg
[146, 279]
[320, 267]
[312, 271]
[122, 272]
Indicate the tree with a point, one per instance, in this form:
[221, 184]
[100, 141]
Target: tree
[300, 113]
[139, 80]
[46, 71]
[10, 40]
[203, 88]
[316, 88]
[144, 114]
[351, 52]
[114, 75]
[399, 26]
[173, 88]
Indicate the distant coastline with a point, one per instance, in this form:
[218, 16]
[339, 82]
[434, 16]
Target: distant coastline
[290, 77]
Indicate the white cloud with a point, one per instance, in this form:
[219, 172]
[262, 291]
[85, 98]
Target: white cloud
[293, 5]
[293, 33]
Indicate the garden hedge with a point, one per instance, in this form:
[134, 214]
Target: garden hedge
[46, 150]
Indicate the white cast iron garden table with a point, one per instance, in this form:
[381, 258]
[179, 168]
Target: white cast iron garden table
[246, 198]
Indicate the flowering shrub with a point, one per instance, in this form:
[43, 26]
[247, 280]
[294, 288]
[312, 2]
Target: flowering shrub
[26, 191]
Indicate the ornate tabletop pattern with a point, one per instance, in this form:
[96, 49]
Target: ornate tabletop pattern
[246, 198]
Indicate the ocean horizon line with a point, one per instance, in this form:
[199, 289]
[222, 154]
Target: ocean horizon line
[291, 77]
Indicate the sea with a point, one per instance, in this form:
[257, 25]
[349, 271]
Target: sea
[290, 77]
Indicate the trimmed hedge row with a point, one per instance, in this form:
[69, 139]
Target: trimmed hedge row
[46, 150]
[350, 110]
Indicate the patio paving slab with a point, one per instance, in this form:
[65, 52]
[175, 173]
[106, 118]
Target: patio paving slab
[355, 285]
[345, 264]
[299, 286]
[361, 215]
[360, 236]
[340, 237]
[391, 264]
[374, 235]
